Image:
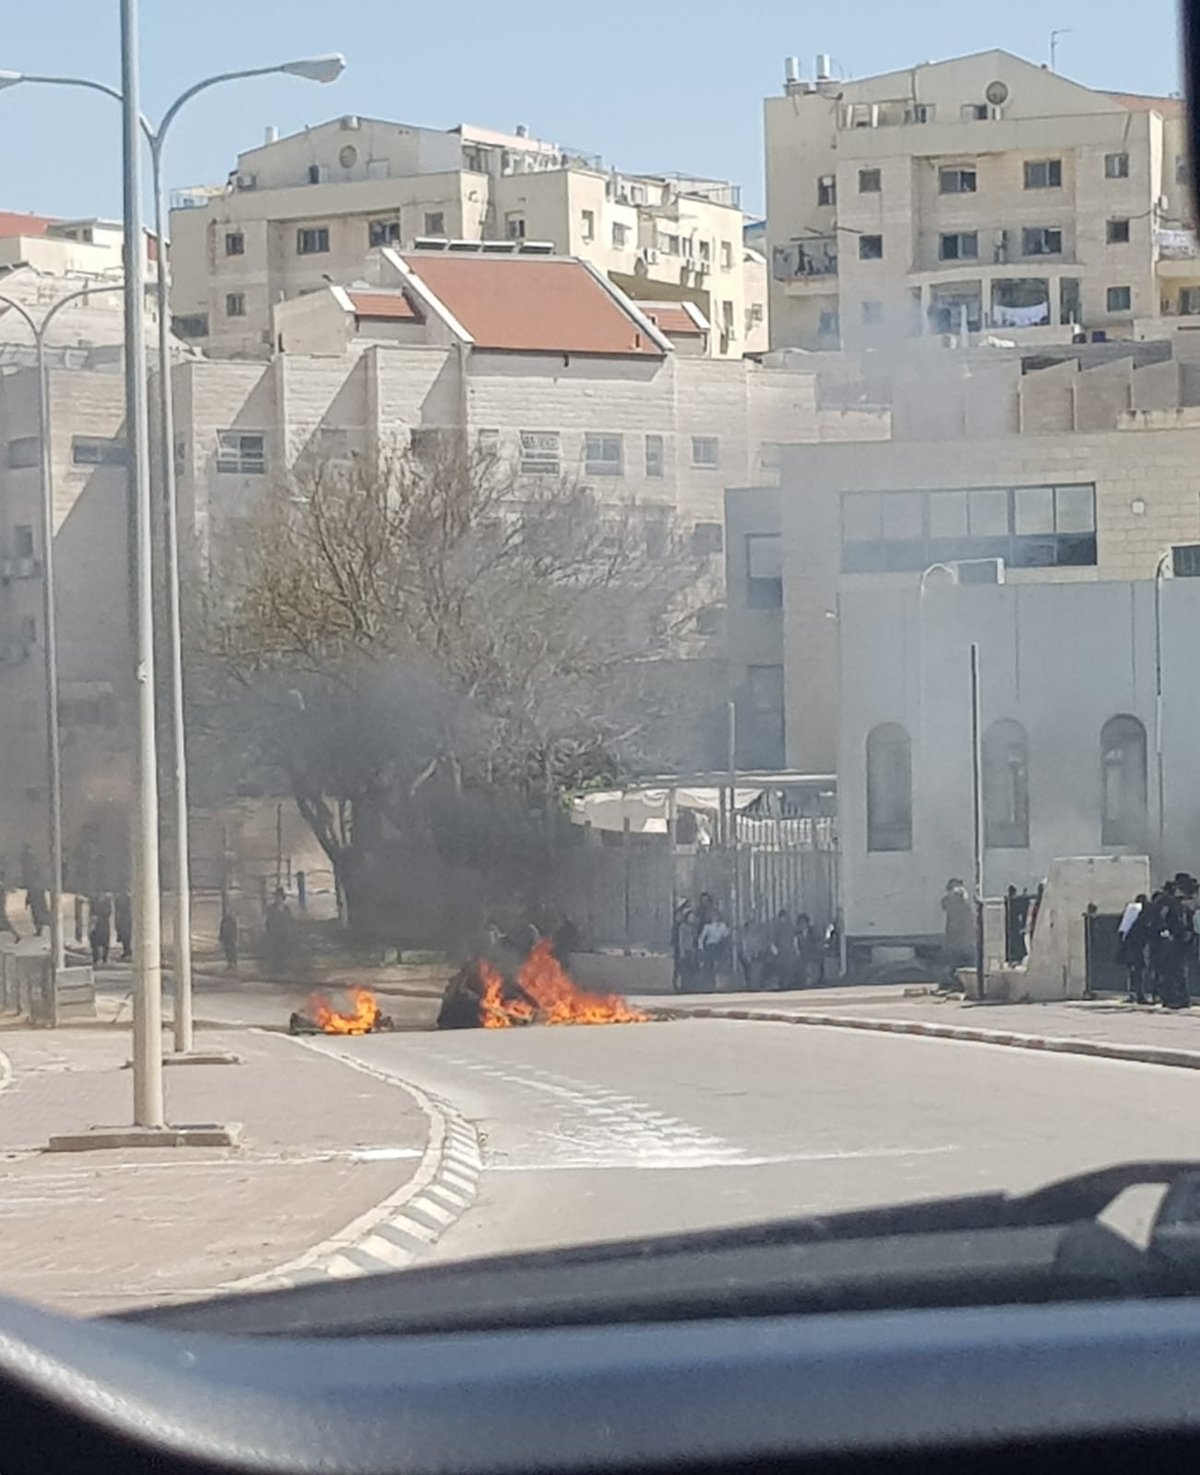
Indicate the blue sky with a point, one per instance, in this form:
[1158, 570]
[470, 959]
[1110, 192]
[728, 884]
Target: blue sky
[649, 84]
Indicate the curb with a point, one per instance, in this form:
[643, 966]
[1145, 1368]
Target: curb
[1049, 1044]
[403, 1227]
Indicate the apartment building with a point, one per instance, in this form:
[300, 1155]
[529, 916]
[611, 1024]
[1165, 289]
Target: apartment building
[982, 194]
[300, 211]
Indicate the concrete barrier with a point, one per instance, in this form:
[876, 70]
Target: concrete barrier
[614, 973]
[25, 989]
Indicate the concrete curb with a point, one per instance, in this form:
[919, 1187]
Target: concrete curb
[402, 1228]
[1050, 1044]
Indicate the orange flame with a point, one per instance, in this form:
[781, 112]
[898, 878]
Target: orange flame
[332, 1021]
[557, 998]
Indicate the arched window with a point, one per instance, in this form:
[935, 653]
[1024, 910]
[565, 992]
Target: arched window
[1123, 781]
[1006, 786]
[889, 788]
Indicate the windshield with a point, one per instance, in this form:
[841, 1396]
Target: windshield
[613, 667]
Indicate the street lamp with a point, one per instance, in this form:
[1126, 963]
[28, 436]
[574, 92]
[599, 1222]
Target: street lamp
[323, 69]
[39, 328]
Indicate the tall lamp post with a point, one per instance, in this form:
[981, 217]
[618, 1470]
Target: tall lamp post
[313, 69]
[39, 328]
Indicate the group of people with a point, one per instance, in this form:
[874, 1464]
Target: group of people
[1158, 943]
[785, 953]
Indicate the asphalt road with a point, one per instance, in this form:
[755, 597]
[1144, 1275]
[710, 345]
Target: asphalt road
[592, 1134]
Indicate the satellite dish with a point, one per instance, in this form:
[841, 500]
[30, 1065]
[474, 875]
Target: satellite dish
[997, 93]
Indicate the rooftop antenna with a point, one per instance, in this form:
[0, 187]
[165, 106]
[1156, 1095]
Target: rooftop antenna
[1054, 35]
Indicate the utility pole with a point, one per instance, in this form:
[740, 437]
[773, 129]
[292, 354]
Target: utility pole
[1054, 35]
[977, 808]
[148, 1106]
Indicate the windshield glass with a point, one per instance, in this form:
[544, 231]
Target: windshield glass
[612, 667]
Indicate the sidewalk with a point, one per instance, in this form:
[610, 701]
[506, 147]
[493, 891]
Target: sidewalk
[321, 1144]
[1108, 1027]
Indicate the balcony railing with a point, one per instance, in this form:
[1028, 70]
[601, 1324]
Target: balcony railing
[1176, 244]
[801, 260]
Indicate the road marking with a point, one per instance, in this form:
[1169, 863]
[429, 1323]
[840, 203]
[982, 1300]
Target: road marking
[673, 1163]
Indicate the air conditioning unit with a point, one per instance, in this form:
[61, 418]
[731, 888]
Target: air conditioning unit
[245, 181]
[980, 570]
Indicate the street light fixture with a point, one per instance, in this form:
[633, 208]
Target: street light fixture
[39, 328]
[322, 69]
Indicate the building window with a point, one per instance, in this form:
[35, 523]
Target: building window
[870, 181]
[1123, 811]
[1043, 174]
[241, 452]
[1006, 786]
[1041, 240]
[23, 543]
[1119, 299]
[870, 248]
[726, 255]
[708, 539]
[706, 251]
[763, 745]
[959, 245]
[435, 223]
[827, 189]
[889, 788]
[541, 453]
[589, 225]
[95, 451]
[235, 243]
[655, 456]
[620, 236]
[1189, 301]
[235, 304]
[312, 240]
[1182, 169]
[1116, 166]
[829, 324]
[1117, 232]
[514, 227]
[921, 112]
[383, 232]
[706, 451]
[956, 179]
[23, 452]
[603, 455]
[764, 571]
[487, 442]
[974, 112]
[190, 325]
[872, 313]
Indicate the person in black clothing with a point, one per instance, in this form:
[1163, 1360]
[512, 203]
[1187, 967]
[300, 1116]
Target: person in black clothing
[228, 935]
[1171, 938]
[1132, 939]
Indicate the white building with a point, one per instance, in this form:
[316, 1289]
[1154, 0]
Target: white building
[984, 190]
[300, 211]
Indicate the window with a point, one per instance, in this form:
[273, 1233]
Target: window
[870, 248]
[589, 225]
[829, 324]
[827, 189]
[382, 232]
[764, 571]
[242, 452]
[655, 456]
[872, 312]
[958, 245]
[23, 542]
[1043, 174]
[1041, 240]
[487, 442]
[708, 539]
[1006, 786]
[762, 746]
[1182, 169]
[620, 236]
[514, 227]
[889, 788]
[1123, 782]
[705, 250]
[726, 256]
[1119, 299]
[1189, 301]
[314, 174]
[870, 181]
[706, 451]
[603, 455]
[312, 240]
[435, 223]
[190, 325]
[1117, 232]
[24, 452]
[235, 304]
[93, 451]
[668, 244]
[921, 112]
[235, 243]
[541, 453]
[974, 112]
[956, 179]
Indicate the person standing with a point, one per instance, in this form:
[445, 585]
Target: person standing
[683, 950]
[227, 934]
[39, 907]
[1170, 937]
[784, 946]
[958, 947]
[810, 949]
[1132, 934]
[714, 949]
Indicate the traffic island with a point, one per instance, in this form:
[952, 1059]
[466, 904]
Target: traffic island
[100, 1139]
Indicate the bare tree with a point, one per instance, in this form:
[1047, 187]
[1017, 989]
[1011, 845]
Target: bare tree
[432, 653]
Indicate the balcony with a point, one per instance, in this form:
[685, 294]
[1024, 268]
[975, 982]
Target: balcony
[806, 261]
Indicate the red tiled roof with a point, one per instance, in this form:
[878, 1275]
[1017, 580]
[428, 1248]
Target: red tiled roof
[14, 224]
[393, 305]
[532, 304]
[675, 321]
